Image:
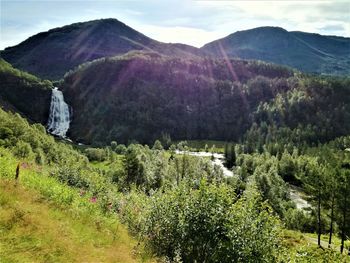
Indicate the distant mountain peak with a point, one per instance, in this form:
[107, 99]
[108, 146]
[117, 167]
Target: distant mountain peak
[308, 52]
[267, 28]
[52, 53]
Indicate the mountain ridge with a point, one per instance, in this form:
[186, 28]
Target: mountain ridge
[309, 52]
[52, 53]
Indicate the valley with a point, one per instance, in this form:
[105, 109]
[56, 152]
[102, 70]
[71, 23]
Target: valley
[115, 147]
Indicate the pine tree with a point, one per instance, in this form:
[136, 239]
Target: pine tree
[315, 185]
[343, 204]
[233, 156]
[226, 152]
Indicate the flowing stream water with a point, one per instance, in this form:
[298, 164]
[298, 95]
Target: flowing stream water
[219, 159]
[59, 118]
[216, 159]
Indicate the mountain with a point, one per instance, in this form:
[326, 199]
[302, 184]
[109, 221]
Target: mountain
[308, 52]
[173, 89]
[24, 93]
[142, 96]
[51, 54]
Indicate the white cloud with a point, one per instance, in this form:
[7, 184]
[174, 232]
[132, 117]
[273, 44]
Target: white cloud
[177, 34]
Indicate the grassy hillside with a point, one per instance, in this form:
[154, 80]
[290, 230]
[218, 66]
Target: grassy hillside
[307, 52]
[55, 211]
[35, 228]
[24, 93]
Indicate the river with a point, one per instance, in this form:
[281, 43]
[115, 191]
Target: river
[218, 159]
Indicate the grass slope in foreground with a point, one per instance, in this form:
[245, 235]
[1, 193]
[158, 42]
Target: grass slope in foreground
[36, 225]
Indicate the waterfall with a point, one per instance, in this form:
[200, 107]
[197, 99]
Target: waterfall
[59, 117]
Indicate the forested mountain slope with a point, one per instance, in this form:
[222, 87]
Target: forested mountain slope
[24, 93]
[51, 54]
[140, 96]
[308, 52]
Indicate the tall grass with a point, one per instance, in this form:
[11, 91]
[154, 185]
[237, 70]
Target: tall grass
[43, 220]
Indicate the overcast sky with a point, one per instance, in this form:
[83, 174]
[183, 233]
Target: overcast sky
[183, 21]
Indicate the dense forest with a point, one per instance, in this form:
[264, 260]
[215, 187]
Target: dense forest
[146, 95]
[24, 93]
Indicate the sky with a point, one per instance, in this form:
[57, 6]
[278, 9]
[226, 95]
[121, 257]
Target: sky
[177, 21]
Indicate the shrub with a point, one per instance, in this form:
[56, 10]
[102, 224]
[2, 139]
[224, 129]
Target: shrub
[23, 150]
[120, 149]
[114, 145]
[211, 225]
[157, 145]
[95, 154]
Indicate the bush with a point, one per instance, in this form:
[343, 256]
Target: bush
[120, 149]
[96, 154]
[23, 150]
[297, 219]
[211, 225]
[114, 145]
[5, 133]
[157, 145]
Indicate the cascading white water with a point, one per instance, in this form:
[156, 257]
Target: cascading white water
[59, 117]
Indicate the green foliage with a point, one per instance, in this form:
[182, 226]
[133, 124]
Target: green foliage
[297, 219]
[208, 224]
[165, 97]
[53, 219]
[301, 248]
[289, 116]
[180, 205]
[23, 150]
[134, 168]
[31, 144]
[151, 169]
[165, 140]
[201, 100]
[120, 149]
[230, 155]
[25, 93]
[157, 145]
[114, 145]
[321, 171]
[95, 154]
